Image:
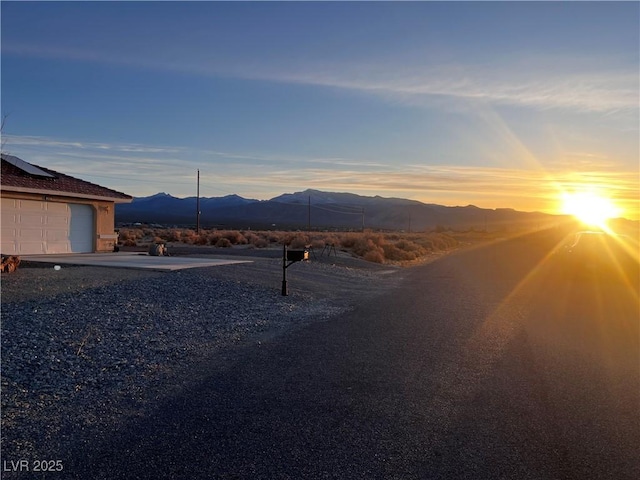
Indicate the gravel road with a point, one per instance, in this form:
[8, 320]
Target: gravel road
[87, 348]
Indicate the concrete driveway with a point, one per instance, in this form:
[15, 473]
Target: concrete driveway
[135, 260]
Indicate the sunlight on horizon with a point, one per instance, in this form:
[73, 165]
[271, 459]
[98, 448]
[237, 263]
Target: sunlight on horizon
[590, 207]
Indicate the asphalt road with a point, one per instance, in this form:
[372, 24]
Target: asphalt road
[486, 364]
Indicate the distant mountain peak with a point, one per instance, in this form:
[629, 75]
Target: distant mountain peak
[327, 210]
[322, 197]
[154, 197]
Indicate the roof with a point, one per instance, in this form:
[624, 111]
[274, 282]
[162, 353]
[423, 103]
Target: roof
[20, 176]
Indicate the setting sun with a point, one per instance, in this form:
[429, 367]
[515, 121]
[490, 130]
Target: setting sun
[589, 208]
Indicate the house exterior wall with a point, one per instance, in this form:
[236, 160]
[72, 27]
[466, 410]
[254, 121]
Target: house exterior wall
[104, 237]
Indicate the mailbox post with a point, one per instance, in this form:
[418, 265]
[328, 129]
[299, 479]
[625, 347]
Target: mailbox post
[289, 257]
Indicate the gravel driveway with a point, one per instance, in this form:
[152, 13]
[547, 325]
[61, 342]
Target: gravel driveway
[84, 348]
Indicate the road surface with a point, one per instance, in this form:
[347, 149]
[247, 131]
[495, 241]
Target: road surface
[483, 365]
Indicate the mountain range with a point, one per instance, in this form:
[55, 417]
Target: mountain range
[321, 210]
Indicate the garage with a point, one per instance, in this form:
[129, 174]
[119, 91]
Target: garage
[35, 227]
[48, 212]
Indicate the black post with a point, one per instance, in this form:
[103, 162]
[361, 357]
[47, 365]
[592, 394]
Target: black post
[284, 271]
[198, 206]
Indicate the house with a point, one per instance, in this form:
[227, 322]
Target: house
[44, 211]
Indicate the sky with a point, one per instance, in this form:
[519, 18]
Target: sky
[495, 104]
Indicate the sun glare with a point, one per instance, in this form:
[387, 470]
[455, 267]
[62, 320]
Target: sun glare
[589, 208]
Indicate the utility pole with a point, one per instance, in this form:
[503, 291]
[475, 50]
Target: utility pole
[309, 216]
[198, 205]
[363, 219]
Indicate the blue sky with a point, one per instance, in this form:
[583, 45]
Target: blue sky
[497, 104]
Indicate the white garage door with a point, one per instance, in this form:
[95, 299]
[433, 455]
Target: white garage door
[33, 227]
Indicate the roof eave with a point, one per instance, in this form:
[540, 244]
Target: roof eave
[58, 193]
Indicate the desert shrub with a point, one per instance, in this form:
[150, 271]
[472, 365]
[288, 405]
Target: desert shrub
[129, 237]
[365, 245]
[395, 254]
[201, 239]
[260, 242]
[349, 240]
[213, 237]
[436, 241]
[161, 234]
[188, 236]
[426, 243]
[296, 240]
[274, 237]
[131, 233]
[449, 240]
[223, 243]
[362, 244]
[331, 240]
[393, 247]
[124, 235]
[318, 244]
[443, 241]
[409, 246]
[172, 235]
[256, 240]
[361, 241]
[125, 239]
[235, 237]
[249, 235]
[375, 256]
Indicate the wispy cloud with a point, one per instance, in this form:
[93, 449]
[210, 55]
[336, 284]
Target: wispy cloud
[536, 86]
[45, 142]
[540, 82]
[126, 152]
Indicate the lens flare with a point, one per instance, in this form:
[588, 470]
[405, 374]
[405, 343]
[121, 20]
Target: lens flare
[589, 208]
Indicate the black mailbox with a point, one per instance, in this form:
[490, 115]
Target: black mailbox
[297, 255]
[289, 257]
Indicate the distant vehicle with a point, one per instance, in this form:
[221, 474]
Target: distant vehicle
[601, 254]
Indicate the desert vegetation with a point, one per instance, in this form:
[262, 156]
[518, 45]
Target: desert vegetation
[378, 247]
